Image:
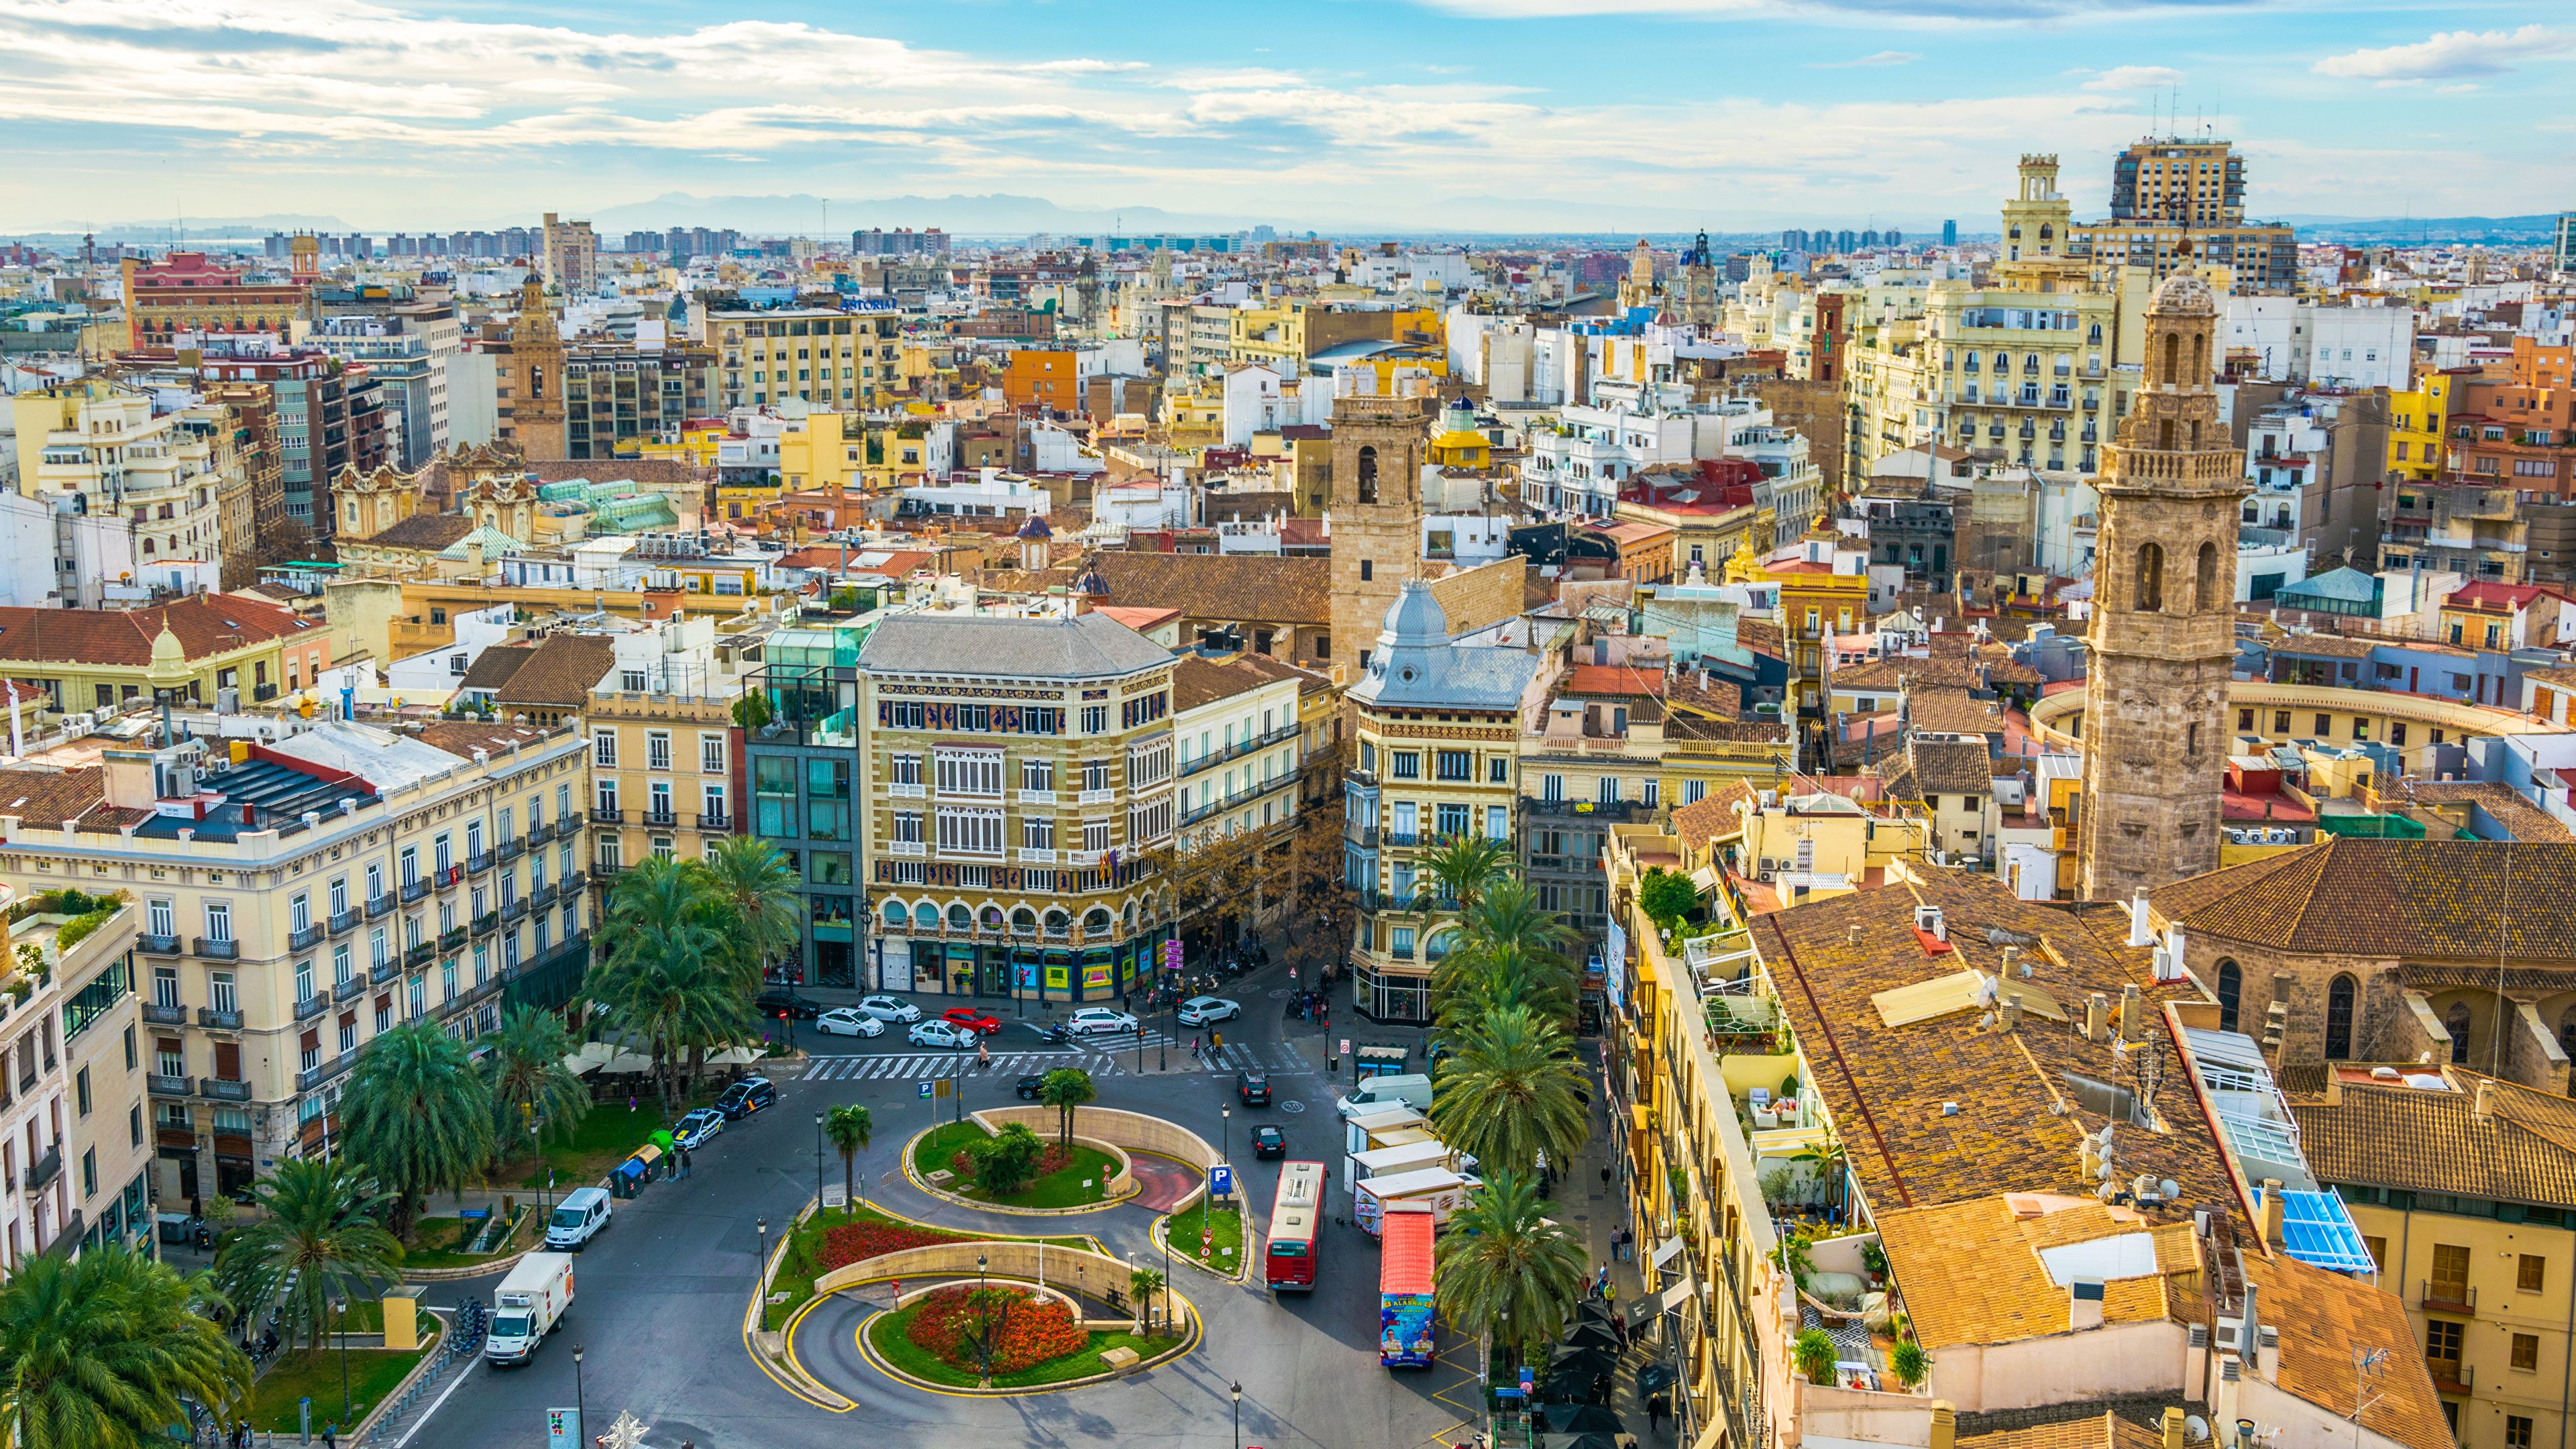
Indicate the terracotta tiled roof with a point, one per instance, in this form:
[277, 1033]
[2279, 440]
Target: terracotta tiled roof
[1900, 671]
[44, 799]
[2322, 1317]
[205, 624]
[1197, 680]
[1716, 698]
[2107, 1431]
[1951, 767]
[2018, 1119]
[422, 532]
[2523, 1150]
[1256, 588]
[2417, 898]
[561, 672]
[1762, 636]
[1614, 679]
[463, 737]
[1711, 816]
[1948, 711]
[2332, 646]
[493, 667]
[2508, 805]
[1972, 1271]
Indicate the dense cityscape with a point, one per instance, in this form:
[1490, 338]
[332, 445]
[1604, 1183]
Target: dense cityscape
[1943, 835]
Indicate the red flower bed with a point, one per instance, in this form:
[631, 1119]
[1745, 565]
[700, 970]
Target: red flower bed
[847, 1243]
[1027, 1330]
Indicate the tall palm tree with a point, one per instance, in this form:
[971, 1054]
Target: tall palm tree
[106, 1351]
[417, 1114]
[851, 1129]
[661, 983]
[1064, 1089]
[1458, 871]
[1480, 986]
[533, 1093]
[1510, 1092]
[755, 890]
[318, 1237]
[1506, 916]
[1501, 1256]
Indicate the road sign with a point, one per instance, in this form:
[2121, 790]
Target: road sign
[563, 1428]
[1346, 1047]
[1221, 1181]
[1172, 955]
[925, 1091]
[944, 1087]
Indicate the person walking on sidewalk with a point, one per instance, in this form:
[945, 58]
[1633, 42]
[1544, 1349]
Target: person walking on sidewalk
[983, 1056]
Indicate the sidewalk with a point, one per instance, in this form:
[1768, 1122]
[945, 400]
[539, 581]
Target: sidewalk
[1599, 1209]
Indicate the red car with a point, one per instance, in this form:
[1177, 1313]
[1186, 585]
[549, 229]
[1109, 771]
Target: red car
[969, 1019]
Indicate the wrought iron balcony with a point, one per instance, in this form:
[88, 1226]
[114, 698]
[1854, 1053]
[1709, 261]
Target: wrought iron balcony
[351, 989]
[157, 945]
[479, 862]
[47, 1168]
[223, 1090]
[415, 889]
[343, 923]
[208, 1016]
[512, 848]
[311, 1007]
[385, 970]
[214, 950]
[304, 938]
[486, 923]
[161, 1086]
[380, 906]
[314, 1076]
[166, 1015]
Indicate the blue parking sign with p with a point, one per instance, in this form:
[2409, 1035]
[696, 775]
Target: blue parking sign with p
[925, 1089]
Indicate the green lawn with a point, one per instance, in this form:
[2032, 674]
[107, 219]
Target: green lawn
[606, 1137]
[373, 1373]
[440, 1242]
[934, 1150]
[796, 1272]
[886, 1334]
[1224, 1225]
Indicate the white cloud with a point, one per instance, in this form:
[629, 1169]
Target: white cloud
[1870, 12]
[1877, 58]
[2452, 55]
[2135, 78]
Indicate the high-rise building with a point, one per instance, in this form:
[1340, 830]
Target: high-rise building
[2180, 204]
[1869, 238]
[1793, 240]
[2155, 705]
[2564, 248]
[1845, 241]
[1949, 233]
[570, 258]
[1895, 238]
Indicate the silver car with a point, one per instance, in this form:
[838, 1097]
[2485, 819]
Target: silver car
[1201, 1010]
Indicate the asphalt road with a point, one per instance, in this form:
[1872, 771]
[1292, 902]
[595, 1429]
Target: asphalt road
[659, 1298]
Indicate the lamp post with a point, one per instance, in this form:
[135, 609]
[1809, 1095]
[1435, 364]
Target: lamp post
[340, 1311]
[1235, 1391]
[983, 1323]
[818, 1164]
[579, 1404]
[760, 1268]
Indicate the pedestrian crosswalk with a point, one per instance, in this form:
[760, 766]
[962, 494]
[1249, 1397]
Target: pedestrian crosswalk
[925, 1066]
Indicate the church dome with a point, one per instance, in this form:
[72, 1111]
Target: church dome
[1035, 529]
[1416, 618]
[2183, 294]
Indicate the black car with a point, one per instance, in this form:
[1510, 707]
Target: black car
[784, 998]
[1255, 1090]
[1269, 1141]
[745, 1097]
[1029, 1086]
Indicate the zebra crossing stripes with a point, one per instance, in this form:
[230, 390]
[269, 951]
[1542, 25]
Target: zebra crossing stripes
[1233, 1057]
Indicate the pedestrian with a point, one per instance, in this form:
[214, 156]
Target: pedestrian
[331, 1436]
[1619, 1327]
[1658, 1408]
[1194, 1048]
[1609, 1290]
[1605, 1177]
[196, 1206]
[1601, 1282]
[1601, 1389]
[983, 1057]
[630, 1101]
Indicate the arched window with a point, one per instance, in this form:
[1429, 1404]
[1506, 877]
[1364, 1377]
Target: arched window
[960, 918]
[2173, 357]
[2231, 989]
[2199, 359]
[992, 918]
[2339, 997]
[1024, 921]
[2151, 577]
[2205, 598]
[2456, 1022]
[1057, 922]
[1368, 474]
[896, 915]
[1096, 921]
[2165, 435]
[2046, 231]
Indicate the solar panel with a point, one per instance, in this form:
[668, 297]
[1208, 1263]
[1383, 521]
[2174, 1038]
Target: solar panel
[2317, 1229]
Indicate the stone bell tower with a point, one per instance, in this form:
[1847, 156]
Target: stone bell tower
[1379, 447]
[2163, 630]
[532, 377]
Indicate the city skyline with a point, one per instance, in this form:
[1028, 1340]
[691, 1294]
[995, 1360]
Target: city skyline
[1491, 115]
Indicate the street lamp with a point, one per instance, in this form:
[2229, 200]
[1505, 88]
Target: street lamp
[760, 1269]
[983, 1322]
[340, 1311]
[1235, 1390]
[579, 1404]
[818, 1163]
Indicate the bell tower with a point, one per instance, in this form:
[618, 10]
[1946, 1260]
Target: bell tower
[1379, 447]
[2163, 632]
[536, 409]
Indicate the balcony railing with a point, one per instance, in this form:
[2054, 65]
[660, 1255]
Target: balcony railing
[573, 883]
[47, 1168]
[414, 889]
[544, 895]
[386, 970]
[223, 1089]
[512, 848]
[354, 987]
[539, 832]
[486, 923]
[166, 1015]
[452, 939]
[315, 1075]
[2438, 1297]
[447, 877]
[380, 906]
[479, 862]
[2450, 1376]
[226, 949]
[1094, 797]
[161, 1086]
[414, 957]
[661, 820]
[304, 938]
[343, 923]
[1031, 855]
[714, 822]
[219, 1020]
[157, 945]
[515, 909]
[607, 815]
[311, 1007]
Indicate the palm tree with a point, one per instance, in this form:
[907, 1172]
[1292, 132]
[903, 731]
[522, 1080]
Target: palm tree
[1510, 1092]
[318, 1237]
[662, 983]
[755, 890]
[1501, 1256]
[532, 1090]
[418, 1114]
[106, 1351]
[1482, 986]
[1142, 1285]
[851, 1129]
[1454, 874]
[1064, 1089]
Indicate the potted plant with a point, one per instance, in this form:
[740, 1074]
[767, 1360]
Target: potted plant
[1814, 1352]
[1909, 1363]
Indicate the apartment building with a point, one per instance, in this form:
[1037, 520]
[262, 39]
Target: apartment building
[299, 896]
[100, 448]
[821, 354]
[192, 649]
[73, 1151]
[1439, 732]
[617, 396]
[1237, 743]
[664, 775]
[187, 293]
[2179, 202]
[569, 255]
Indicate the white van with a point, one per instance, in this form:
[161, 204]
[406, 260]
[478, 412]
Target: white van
[582, 1215]
[1411, 1089]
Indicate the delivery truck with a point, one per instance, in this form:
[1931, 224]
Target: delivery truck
[1404, 1333]
[529, 1306]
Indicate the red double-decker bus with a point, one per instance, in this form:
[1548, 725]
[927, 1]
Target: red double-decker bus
[1294, 1216]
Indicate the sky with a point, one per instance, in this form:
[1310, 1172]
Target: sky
[1473, 114]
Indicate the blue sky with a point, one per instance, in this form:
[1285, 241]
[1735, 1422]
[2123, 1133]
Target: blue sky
[1736, 114]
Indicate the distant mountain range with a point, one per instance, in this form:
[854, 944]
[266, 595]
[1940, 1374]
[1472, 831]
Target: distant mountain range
[1478, 217]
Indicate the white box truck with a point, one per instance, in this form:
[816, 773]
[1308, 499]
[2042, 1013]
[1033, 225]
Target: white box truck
[531, 1302]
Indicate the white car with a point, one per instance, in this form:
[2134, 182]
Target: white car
[1200, 1010]
[848, 1021]
[1096, 1019]
[887, 1008]
[941, 1034]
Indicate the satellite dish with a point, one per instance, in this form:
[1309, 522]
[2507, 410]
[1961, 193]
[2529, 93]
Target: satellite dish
[2169, 1189]
[2195, 1428]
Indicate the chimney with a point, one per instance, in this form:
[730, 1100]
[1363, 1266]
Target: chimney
[2272, 1214]
[2084, 1304]
[2133, 1023]
[1945, 1425]
[2140, 934]
[2276, 1025]
[2012, 1013]
[2171, 1423]
[2483, 1105]
[2097, 1017]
